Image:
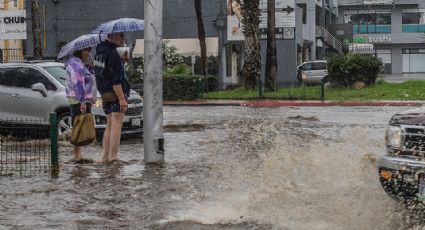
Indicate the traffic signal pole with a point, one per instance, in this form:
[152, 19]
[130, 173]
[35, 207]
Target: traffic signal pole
[153, 137]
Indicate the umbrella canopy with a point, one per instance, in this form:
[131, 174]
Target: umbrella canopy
[80, 43]
[120, 25]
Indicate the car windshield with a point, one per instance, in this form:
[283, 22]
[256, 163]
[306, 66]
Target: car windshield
[58, 72]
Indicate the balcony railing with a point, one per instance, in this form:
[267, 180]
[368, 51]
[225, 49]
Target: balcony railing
[413, 28]
[328, 38]
[7, 55]
[371, 29]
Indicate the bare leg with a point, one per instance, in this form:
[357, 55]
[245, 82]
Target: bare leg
[77, 153]
[115, 135]
[105, 141]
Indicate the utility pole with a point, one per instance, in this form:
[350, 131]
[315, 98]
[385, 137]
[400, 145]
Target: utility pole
[36, 30]
[153, 137]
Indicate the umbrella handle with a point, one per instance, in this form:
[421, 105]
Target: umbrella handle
[100, 37]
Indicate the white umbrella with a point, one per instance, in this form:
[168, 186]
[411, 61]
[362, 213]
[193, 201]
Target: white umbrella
[120, 25]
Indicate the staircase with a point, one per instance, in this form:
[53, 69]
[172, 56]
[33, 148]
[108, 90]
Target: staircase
[328, 39]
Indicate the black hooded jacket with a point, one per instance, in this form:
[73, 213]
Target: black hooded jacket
[109, 69]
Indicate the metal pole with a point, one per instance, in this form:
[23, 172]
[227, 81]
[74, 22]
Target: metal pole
[54, 159]
[223, 61]
[153, 137]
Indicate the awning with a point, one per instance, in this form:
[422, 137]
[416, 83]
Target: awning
[185, 46]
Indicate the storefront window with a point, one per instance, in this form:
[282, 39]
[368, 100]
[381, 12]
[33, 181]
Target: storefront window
[369, 21]
[413, 20]
[385, 56]
[413, 60]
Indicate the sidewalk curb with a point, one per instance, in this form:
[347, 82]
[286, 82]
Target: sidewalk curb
[293, 103]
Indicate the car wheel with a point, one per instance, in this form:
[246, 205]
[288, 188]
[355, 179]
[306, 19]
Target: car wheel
[64, 124]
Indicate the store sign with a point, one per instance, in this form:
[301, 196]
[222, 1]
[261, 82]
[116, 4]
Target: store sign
[285, 19]
[13, 24]
[361, 48]
[373, 39]
[234, 20]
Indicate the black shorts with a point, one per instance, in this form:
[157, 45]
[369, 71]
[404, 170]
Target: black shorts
[75, 110]
[112, 107]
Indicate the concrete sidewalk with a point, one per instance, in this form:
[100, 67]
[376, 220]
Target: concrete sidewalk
[271, 103]
[401, 77]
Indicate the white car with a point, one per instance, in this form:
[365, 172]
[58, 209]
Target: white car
[30, 91]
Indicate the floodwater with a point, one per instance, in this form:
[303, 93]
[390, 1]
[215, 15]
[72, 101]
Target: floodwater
[226, 168]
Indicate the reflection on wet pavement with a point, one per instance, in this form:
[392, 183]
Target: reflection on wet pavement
[226, 168]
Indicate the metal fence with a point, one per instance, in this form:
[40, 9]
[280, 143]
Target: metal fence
[28, 146]
[305, 92]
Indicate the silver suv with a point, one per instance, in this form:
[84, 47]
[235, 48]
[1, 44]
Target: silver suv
[31, 91]
[315, 72]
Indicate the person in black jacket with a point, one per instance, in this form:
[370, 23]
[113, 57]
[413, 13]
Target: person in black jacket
[112, 84]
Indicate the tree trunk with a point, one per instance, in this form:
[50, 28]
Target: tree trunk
[251, 21]
[201, 36]
[36, 30]
[271, 60]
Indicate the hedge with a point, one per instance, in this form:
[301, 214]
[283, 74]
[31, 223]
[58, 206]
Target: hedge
[345, 70]
[182, 87]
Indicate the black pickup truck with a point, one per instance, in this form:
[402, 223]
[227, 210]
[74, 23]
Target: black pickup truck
[402, 170]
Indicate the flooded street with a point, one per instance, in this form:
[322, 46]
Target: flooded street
[226, 168]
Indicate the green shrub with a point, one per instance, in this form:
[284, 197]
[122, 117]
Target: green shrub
[178, 69]
[182, 87]
[170, 59]
[345, 70]
[210, 83]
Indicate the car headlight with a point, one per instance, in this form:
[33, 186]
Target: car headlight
[393, 136]
[98, 103]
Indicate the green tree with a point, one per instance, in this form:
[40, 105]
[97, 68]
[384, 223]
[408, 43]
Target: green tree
[271, 60]
[36, 29]
[201, 36]
[170, 57]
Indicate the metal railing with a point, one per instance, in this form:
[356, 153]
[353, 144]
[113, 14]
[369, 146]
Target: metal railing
[28, 146]
[328, 38]
[7, 55]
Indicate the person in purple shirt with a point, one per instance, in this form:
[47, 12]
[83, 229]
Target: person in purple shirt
[80, 87]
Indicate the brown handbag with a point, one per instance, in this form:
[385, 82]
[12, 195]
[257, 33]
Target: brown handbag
[83, 131]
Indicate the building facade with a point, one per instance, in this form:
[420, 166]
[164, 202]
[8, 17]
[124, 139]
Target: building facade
[12, 29]
[302, 30]
[393, 30]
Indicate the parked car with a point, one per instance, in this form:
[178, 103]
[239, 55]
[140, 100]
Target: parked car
[402, 170]
[312, 72]
[30, 91]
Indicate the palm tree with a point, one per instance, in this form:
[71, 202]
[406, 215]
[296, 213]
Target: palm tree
[251, 21]
[201, 35]
[271, 65]
[36, 29]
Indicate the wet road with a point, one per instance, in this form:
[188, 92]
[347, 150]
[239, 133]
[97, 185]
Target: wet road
[226, 168]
